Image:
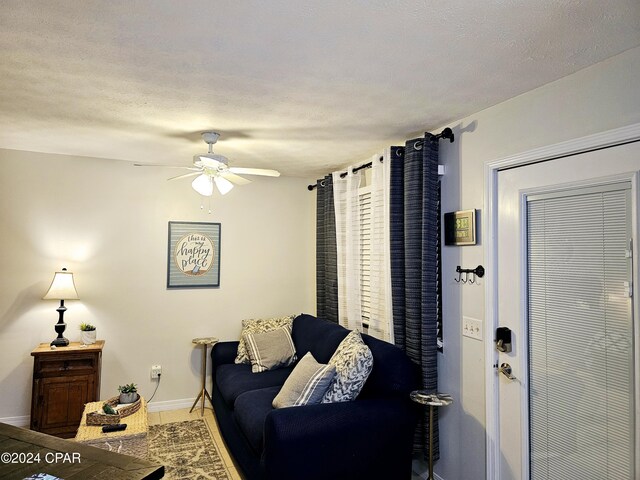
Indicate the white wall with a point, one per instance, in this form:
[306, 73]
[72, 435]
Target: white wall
[106, 221]
[599, 98]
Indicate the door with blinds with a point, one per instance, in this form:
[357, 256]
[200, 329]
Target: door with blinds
[568, 384]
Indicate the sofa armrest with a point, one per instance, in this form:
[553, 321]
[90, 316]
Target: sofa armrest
[370, 438]
[224, 352]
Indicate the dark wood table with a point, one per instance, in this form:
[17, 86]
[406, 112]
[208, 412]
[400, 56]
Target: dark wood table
[24, 453]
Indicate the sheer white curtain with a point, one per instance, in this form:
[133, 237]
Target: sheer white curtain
[347, 205]
[362, 238]
[381, 316]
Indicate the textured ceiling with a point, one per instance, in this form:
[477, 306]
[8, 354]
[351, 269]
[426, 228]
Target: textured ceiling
[305, 87]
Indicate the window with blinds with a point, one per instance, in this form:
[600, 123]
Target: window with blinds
[580, 328]
[364, 194]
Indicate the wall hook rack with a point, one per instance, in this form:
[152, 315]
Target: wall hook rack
[476, 272]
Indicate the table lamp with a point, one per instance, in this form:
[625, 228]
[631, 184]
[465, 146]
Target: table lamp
[62, 288]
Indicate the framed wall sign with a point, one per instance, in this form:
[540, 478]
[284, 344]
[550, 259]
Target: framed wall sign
[460, 227]
[194, 255]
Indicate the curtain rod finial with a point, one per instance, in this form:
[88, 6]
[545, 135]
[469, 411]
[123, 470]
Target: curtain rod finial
[447, 133]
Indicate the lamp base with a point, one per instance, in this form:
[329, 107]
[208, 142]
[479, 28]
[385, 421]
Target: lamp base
[60, 327]
[60, 342]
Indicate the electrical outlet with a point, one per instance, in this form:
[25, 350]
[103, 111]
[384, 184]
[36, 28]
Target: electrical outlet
[472, 328]
[156, 371]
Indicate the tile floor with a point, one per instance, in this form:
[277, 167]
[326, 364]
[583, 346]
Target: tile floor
[159, 418]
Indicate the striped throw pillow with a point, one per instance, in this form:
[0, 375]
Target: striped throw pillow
[270, 350]
[306, 385]
[259, 325]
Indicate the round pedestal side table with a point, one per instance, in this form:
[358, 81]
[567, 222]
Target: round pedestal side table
[204, 341]
[433, 400]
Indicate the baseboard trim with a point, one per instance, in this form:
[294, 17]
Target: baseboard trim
[170, 405]
[21, 421]
[25, 420]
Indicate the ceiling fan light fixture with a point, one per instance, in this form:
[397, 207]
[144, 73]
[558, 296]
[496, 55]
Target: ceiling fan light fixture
[224, 185]
[203, 185]
[210, 159]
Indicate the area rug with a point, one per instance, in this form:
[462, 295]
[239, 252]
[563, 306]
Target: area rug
[187, 451]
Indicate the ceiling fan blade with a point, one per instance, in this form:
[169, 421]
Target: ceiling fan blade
[203, 185]
[165, 166]
[224, 185]
[184, 175]
[233, 178]
[255, 171]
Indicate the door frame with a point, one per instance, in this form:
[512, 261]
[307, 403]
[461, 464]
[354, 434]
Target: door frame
[585, 144]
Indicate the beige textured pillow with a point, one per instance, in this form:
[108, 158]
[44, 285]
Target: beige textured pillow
[259, 325]
[270, 350]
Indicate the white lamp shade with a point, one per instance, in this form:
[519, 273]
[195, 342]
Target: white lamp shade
[203, 185]
[62, 287]
[224, 185]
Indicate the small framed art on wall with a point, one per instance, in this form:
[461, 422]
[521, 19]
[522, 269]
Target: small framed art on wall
[193, 259]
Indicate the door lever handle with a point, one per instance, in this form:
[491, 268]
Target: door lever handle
[506, 370]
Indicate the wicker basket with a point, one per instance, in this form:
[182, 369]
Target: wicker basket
[132, 441]
[101, 418]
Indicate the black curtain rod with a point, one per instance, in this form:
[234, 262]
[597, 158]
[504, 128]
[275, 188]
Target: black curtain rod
[446, 133]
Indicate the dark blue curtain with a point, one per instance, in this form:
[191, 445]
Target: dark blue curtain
[326, 252]
[415, 243]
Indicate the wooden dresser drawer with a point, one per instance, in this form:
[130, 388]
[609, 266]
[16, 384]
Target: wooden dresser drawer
[72, 366]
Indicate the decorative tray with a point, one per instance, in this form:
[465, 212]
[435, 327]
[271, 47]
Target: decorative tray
[101, 418]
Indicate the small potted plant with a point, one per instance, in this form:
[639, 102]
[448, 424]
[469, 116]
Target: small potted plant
[87, 333]
[128, 393]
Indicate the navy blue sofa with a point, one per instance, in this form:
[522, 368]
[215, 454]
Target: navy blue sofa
[368, 438]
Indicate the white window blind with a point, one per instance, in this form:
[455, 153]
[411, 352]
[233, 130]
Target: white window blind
[364, 194]
[580, 334]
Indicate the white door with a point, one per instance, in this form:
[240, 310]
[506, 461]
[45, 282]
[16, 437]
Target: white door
[547, 429]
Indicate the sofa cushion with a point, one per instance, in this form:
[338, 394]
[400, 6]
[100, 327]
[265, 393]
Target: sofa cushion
[233, 380]
[318, 336]
[306, 385]
[393, 374]
[259, 325]
[270, 350]
[250, 410]
[353, 361]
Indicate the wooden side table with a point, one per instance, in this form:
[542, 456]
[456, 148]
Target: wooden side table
[433, 400]
[204, 341]
[64, 379]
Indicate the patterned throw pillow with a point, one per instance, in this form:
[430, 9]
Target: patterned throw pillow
[259, 326]
[270, 350]
[306, 385]
[353, 361]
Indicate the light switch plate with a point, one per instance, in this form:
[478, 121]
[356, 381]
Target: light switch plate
[472, 328]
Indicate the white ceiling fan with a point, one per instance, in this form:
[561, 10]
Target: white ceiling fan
[213, 169]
